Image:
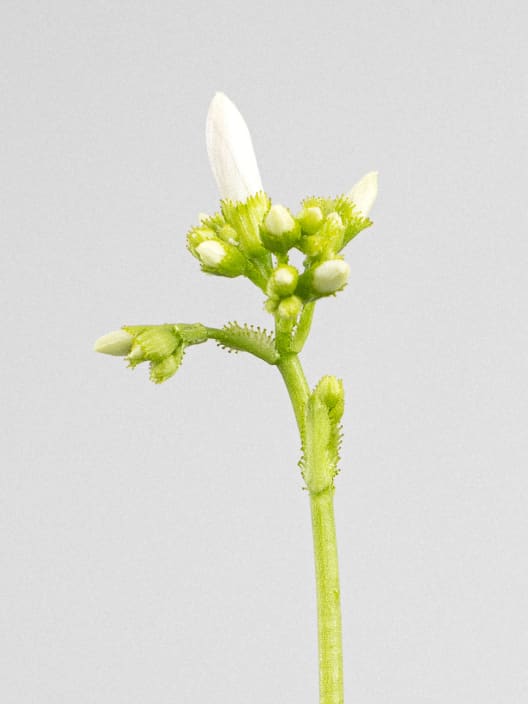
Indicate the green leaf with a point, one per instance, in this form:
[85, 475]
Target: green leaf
[247, 338]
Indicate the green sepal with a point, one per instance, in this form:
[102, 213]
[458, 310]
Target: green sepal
[353, 221]
[246, 218]
[328, 239]
[321, 435]
[157, 342]
[161, 371]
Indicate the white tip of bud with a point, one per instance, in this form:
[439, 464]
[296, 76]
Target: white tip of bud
[364, 192]
[279, 220]
[284, 276]
[230, 151]
[330, 276]
[117, 343]
[211, 253]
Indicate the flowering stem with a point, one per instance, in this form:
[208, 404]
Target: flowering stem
[325, 554]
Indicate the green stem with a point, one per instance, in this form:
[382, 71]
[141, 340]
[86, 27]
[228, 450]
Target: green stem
[325, 555]
[328, 598]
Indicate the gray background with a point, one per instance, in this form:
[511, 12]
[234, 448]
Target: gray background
[155, 540]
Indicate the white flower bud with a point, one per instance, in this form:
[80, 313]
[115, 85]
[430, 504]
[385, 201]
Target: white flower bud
[211, 253]
[364, 192]
[117, 343]
[279, 220]
[330, 276]
[283, 280]
[230, 151]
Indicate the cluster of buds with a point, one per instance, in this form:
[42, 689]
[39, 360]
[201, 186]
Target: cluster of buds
[163, 346]
[254, 238]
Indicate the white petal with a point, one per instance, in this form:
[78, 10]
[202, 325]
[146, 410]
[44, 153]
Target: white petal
[364, 192]
[230, 151]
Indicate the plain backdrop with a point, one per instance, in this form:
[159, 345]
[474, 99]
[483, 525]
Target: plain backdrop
[155, 541]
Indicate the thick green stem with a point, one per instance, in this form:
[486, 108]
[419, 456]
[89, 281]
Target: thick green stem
[292, 372]
[325, 555]
[328, 598]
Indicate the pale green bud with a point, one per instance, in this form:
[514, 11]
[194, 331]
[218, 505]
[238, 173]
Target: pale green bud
[311, 219]
[222, 258]
[328, 238]
[211, 252]
[283, 280]
[330, 276]
[117, 343]
[289, 308]
[330, 391]
[279, 220]
[280, 231]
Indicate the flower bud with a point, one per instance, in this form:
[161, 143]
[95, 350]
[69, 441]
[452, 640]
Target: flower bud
[222, 258]
[280, 231]
[311, 219]
[211, 252]
[327, 240]
[330, 276]
[278, 221]
[283, 280]
[330, 391]
[289, 308]
[117, 343]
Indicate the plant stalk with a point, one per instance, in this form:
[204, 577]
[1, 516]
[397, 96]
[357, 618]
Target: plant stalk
[325, 555]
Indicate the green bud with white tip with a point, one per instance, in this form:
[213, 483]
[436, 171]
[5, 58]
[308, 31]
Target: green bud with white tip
[283, 280]
[323, 279]
[330, 276]
[280, 232]
[310, 219]
[117, 343]
[215, 255]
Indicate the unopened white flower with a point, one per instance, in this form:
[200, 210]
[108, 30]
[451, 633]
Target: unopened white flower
[279, 220]
[117, 343]
[364, 192]
[211, 253]
[230, 151]
[285, 276]
[330, 276]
